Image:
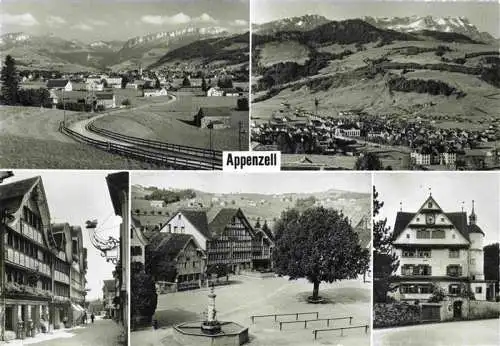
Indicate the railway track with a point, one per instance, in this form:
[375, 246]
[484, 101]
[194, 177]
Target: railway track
[164, 154]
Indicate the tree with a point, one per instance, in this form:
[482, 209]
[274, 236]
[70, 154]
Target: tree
[10, 82]
[257, 224]
[124, 82]
[491, 255]
[385, 262]
[242, 104]
[126, 103]
[204, 85]
[368, 162]
[186, 82]
[318, 244]
[225, 82]
[437, 295]
[157, 84]
[143, 297]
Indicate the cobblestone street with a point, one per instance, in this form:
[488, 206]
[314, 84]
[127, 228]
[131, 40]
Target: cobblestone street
[101, 333]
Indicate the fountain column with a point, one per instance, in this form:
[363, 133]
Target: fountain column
[211, 313]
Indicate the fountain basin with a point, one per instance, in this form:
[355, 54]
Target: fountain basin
[191, 333]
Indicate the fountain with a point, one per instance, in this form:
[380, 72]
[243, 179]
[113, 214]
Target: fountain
[211, 331]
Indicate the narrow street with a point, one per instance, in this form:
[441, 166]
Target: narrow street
[101, 333]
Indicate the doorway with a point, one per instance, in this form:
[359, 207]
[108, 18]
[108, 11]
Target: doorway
[457, 309]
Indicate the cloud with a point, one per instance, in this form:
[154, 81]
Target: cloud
[25, 19]
[179, 18]
[205, 18]
[55, 21]
[83, 27]
[240, 22]
[97, 22]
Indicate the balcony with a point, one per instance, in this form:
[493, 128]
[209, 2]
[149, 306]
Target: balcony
[415, 296]
[31, 232]
[15, 289]
[16, 257]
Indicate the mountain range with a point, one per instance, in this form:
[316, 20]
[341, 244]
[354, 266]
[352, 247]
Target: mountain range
[459, 25]
[40, 51]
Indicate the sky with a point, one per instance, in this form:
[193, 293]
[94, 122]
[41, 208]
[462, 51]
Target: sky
[266, 183]
[75, 197]
[449, 190]
[484, 14]
[95, 20]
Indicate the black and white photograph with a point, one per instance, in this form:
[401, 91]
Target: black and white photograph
[112, 84]
[258, 259]
[436, 259]
[62, 249]
[376, 85]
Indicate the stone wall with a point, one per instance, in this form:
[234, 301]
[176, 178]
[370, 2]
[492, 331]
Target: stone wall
[483, 309]
[395, 314]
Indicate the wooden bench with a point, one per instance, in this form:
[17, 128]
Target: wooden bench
[316, 331]
[296, 314]
[318, 319]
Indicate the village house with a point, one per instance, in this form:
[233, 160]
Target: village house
[109, 293]
[114, 82]
[230, 92]
[138, 242]
[59, 84]
[215, 91]
[440, 250]
[227, 238]
[94, 86]
[107, 100]
[217, 117]
[44, 265]
[155, 92]
[187, 256]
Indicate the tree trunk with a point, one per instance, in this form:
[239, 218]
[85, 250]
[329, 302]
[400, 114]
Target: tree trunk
[315, 290]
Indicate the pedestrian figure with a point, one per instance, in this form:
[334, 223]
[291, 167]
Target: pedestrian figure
[92, 317]
[155, 324]
[85, 317]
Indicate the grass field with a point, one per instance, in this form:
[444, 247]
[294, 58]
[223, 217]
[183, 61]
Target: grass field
[476, 110]
[253, 296]
[275, 52]
[171, 123]
[25, 152]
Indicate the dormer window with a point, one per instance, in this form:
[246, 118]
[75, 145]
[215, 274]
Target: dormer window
[429, 205]
[179, 217]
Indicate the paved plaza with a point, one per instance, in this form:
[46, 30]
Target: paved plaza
[463, 333]
[254, 296]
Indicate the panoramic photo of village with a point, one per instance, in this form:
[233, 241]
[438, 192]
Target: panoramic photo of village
[61, 253]
[436, 259]
[217, 259]
[377, 85]
[123, 84]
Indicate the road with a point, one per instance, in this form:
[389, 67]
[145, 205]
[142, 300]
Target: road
[101, 333]
[464, 333]
[80, 126]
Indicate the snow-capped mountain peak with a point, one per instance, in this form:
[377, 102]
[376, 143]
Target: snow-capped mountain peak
[459, 25]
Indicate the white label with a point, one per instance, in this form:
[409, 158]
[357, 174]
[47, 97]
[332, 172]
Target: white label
[251, 161]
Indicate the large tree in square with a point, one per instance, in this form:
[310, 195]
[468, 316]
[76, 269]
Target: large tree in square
[10, 81]
[385, 262]
[317, 244]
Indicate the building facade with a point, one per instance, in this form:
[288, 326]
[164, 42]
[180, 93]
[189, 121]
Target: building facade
[228, 238]
[36, 261]
[442, 251]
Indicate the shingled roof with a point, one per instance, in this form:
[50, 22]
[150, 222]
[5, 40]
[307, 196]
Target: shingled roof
[459, 220]
[11, 195]
[170, 244]
[57, 83]
[198, 218]
[220, 220]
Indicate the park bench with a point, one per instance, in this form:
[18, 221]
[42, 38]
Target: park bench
[316, 331]
[317, 319]
[296, 314]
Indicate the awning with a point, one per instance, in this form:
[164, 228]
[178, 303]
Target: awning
[78, 311]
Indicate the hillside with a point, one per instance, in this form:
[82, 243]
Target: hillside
[353, 64]
[228, 51]
[255, 206]
[45, 50]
